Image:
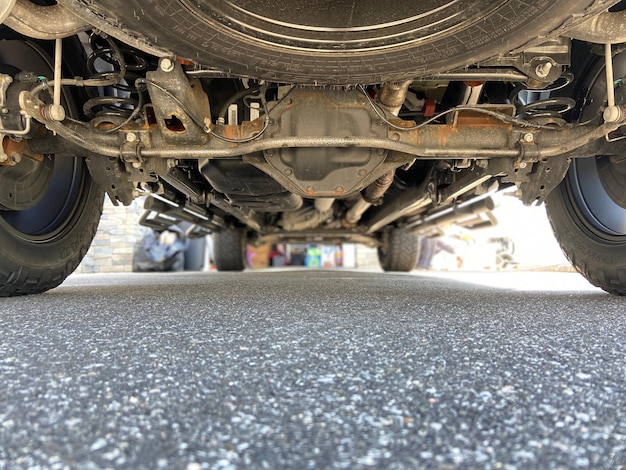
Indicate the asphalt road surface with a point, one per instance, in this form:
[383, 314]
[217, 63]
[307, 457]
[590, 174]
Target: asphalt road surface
[314, 369]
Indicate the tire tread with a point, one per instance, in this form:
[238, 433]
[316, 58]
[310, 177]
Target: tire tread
[611, 280]
[18, 280]
[228, 249]
[402, 252]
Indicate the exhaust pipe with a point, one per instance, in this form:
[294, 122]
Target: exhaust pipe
[40, 22]
[171, 213]
[372, 195]
[454, 214]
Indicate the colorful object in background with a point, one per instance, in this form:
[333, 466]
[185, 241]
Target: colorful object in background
[313, 257]
[258, 256]
[329, 256]
[338, 255]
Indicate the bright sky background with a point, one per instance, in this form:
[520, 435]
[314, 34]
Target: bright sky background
[529, 228]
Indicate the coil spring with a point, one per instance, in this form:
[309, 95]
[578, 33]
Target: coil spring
[121, 99]
[537, 103]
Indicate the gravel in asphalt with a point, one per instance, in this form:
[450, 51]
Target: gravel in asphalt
[313, 369]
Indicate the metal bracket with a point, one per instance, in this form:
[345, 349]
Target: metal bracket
[5, 82]
[180, 105]
[541, 63]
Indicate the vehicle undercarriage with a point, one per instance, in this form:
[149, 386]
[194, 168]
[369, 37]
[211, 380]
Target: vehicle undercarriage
[295, 124]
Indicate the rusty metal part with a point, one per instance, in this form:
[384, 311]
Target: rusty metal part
[180, 105]
[372, 196]
[316, 171]
[354, 214]
[605, 28]
[13, 151]
[392, 95]
[44, 22]
[468, 137]
[374, 192]
[430, 148]
[431, 142]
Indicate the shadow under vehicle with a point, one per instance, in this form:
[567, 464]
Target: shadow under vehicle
[318, 121]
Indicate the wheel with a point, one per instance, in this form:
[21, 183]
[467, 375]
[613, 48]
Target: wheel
[229, 249]
[399, 251]
[587, 210]
[335, 42]
[49, 209]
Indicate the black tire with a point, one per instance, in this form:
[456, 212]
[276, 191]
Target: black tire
[587, 210]
[229, 249]
[326, 42]
[399, 251]
[44, 234]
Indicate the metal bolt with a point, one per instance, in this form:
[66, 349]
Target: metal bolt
[340, 190]
[131, 137]
[3, 157]
[288, 172]
[529, 138]
[136, 164]
[522, 165]
[543, 70]
[15, 158]
[310, 189]
[362, 173]
[4, 111]
[167, 65]
[53, 112]
[613, 114]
